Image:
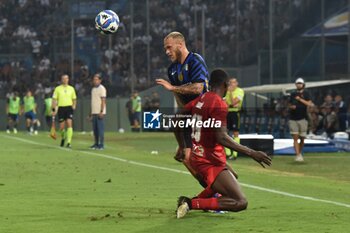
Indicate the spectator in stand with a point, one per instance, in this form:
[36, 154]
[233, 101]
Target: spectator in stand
[146, 104]
[24, 32]
[314, 121]
[328, 100]
[341, 110]
[331, 123]
[44, 64]
[155, 101]
[36, 46]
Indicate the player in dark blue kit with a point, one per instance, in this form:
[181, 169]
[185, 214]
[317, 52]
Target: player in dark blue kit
[188, 75]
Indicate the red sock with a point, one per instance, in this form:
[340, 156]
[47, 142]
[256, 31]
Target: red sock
[208, 192]
[205, 204]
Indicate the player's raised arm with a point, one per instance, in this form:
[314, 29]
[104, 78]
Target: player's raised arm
[192, 89]
[225, 140]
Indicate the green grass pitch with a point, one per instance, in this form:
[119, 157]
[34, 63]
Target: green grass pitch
[126, 188]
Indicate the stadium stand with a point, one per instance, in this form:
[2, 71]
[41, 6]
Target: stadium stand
[41, 49]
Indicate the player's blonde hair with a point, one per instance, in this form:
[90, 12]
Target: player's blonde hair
[175, 35]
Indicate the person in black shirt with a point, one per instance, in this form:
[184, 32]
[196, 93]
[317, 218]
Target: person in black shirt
[298, 103]
[146, 107]
[128, 108]
[341, 112]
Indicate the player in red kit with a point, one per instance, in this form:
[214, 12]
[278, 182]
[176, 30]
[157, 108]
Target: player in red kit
[208, 156]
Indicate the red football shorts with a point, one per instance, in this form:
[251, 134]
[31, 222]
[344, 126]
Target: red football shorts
[206, 169]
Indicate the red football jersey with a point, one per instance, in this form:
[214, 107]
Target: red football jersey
[209, 111]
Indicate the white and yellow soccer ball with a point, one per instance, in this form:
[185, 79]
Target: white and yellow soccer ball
[107, 22]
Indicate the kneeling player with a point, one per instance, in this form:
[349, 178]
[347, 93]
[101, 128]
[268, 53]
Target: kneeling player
[208, 156]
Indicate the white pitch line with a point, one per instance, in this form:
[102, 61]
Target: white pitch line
[181, 171]
[295, 195]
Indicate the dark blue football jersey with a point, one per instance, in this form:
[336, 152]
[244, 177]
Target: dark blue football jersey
[193, 70]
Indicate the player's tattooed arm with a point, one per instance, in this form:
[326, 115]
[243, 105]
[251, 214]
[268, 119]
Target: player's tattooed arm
[192, 89]
[225, 140]
[189, 89]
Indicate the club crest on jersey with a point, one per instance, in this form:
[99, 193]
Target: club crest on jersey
[180, 77]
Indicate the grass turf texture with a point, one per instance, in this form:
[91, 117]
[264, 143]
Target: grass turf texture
[46, 189]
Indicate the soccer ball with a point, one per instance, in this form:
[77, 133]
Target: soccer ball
[107, 22]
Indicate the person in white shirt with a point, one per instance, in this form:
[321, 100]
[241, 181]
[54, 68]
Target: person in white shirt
[98, 111]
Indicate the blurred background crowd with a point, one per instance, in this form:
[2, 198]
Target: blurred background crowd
[35, 38]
